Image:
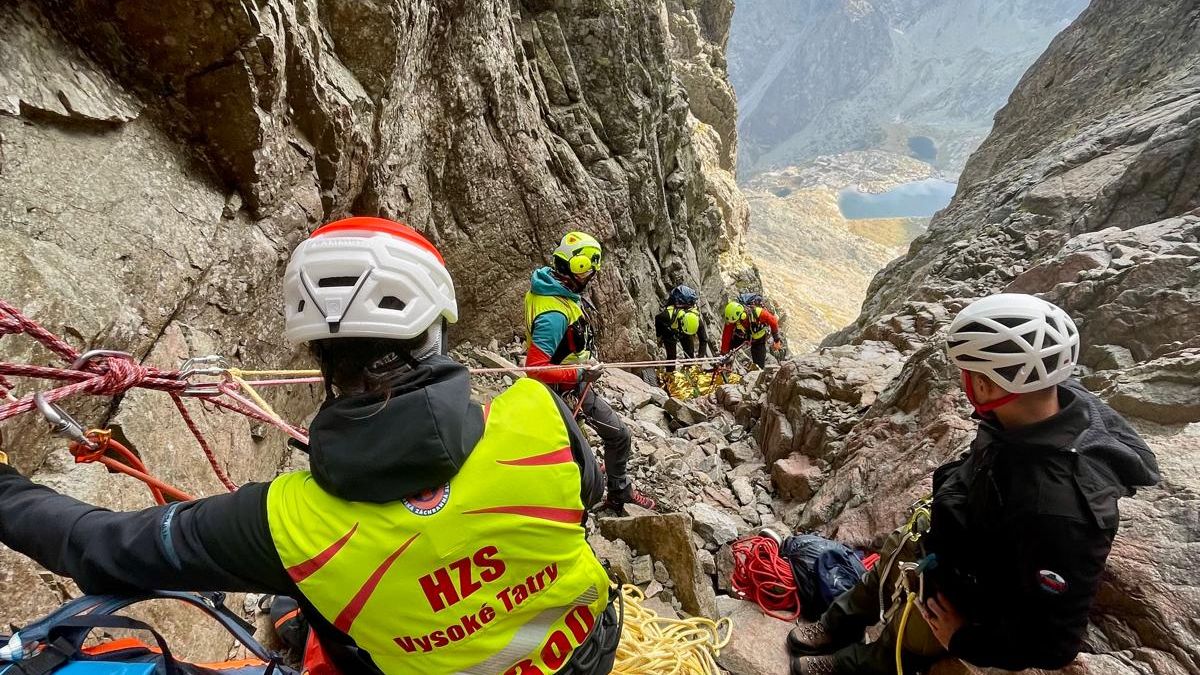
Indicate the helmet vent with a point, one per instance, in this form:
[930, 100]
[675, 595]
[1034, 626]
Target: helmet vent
[1009, 372]
[969, 357]
[1030, 337]
[1005, 347]
[1051, 363]
[300, 307]
[976, 327]
[391, 302]
[335, 282]
[1010, 321]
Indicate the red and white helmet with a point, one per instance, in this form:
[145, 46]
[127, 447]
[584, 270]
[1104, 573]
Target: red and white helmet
[1020, 342]
[365, 277]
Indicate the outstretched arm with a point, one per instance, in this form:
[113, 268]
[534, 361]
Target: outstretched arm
[215, 543]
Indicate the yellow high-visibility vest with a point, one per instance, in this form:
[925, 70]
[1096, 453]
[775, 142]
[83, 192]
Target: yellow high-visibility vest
[536, 305]
[488, 574]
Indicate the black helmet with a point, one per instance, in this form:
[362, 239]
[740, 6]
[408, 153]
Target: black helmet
[751, 299]
[683, 296]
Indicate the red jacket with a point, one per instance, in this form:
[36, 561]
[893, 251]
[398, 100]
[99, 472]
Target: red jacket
[747, 326]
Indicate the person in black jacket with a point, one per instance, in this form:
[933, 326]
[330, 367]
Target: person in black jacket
[679, 325]
[1020, 526]
[399, 450]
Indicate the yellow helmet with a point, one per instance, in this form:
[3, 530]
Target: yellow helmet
[688, 321]
[734, 312]
[578, 253]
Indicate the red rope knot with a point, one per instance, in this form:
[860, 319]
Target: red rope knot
[116, 376]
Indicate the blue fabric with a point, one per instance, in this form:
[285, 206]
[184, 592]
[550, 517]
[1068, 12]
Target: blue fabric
[106, 668]
[549, 327]
[824, 569]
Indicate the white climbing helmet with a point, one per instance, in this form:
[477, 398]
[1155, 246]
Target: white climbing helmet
[365, 277]
[1020, 342]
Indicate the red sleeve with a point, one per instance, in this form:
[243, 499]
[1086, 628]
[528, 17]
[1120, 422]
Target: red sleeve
[726, 338]
[536, 357]
[768, 318]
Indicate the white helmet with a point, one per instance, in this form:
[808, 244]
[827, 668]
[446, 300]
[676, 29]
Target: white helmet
[1020, 342]
[365, 277]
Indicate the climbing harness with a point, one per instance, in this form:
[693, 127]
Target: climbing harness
[654, 644]
[910, 588]
[764, 577]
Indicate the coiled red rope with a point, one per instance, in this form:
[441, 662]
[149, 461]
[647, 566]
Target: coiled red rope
[763, 577]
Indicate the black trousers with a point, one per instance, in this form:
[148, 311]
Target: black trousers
[672, 341]
[758, 349]
[618, 441]
[857, 609]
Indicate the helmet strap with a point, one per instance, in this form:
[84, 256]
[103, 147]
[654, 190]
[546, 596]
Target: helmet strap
[984, 408]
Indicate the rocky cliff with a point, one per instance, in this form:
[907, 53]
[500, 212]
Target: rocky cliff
[916, 77]
[1086, 192]
[158, 161]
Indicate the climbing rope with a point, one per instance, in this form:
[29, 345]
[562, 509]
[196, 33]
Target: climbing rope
[112, 373]
[654, 644]
[764, 577]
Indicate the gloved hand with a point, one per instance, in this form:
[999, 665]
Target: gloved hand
[777, 345]
[590, 374]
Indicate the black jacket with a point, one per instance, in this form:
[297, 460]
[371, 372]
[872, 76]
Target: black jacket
[367, 448]
[1022, 525]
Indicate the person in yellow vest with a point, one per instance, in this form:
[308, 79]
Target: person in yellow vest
[558, 331]
[679, 325]
[750, 322]
[431, 535]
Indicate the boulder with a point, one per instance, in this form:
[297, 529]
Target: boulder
[714, 525]
[759, 642]
[796, 478]
[686, 413]
[667, 538]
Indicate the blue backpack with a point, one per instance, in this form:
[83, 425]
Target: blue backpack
[54, 644]
[823, 569]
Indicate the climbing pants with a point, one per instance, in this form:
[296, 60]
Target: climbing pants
[858, 609]
[618, 441]
[758, 349]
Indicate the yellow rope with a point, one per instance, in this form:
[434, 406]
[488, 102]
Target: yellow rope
[254, 396]
[908, 606]
[239, 373]
[654, 644]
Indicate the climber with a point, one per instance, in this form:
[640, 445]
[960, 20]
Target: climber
[558, 330]
[679, 322]
[750, 323]
[1020, 526]
[430, 536]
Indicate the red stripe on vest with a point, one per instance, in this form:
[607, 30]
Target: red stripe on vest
[554, 513]
[346, 617]
[560, 456]
[304, 570]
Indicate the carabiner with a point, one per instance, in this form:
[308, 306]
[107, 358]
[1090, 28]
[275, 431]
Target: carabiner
[218, 365]
[62, 424]
[97, 353]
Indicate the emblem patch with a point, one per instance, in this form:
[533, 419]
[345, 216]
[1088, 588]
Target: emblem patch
[1052, 582]
[428, 502]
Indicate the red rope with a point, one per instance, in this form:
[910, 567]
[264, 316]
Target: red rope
[762, 576]
[112, 375]
[208, 453]
[132, 466]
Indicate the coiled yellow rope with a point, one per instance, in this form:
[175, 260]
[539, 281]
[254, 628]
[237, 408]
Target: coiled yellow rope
[654, 644]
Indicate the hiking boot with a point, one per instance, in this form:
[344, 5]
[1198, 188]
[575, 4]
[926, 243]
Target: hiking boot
[810, 638]
[813, 665]
[630, 495]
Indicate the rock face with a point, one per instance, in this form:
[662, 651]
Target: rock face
[158, 162]
[915, 77]
[1086, 193]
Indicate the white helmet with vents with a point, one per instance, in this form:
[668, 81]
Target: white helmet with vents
[365, 277]
[1020, 342]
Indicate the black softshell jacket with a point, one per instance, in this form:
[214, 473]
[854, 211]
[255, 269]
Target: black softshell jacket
[1022, 525]
[377, 448]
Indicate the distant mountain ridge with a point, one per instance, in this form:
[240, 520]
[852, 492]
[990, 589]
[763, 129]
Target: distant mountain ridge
[916, 77]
